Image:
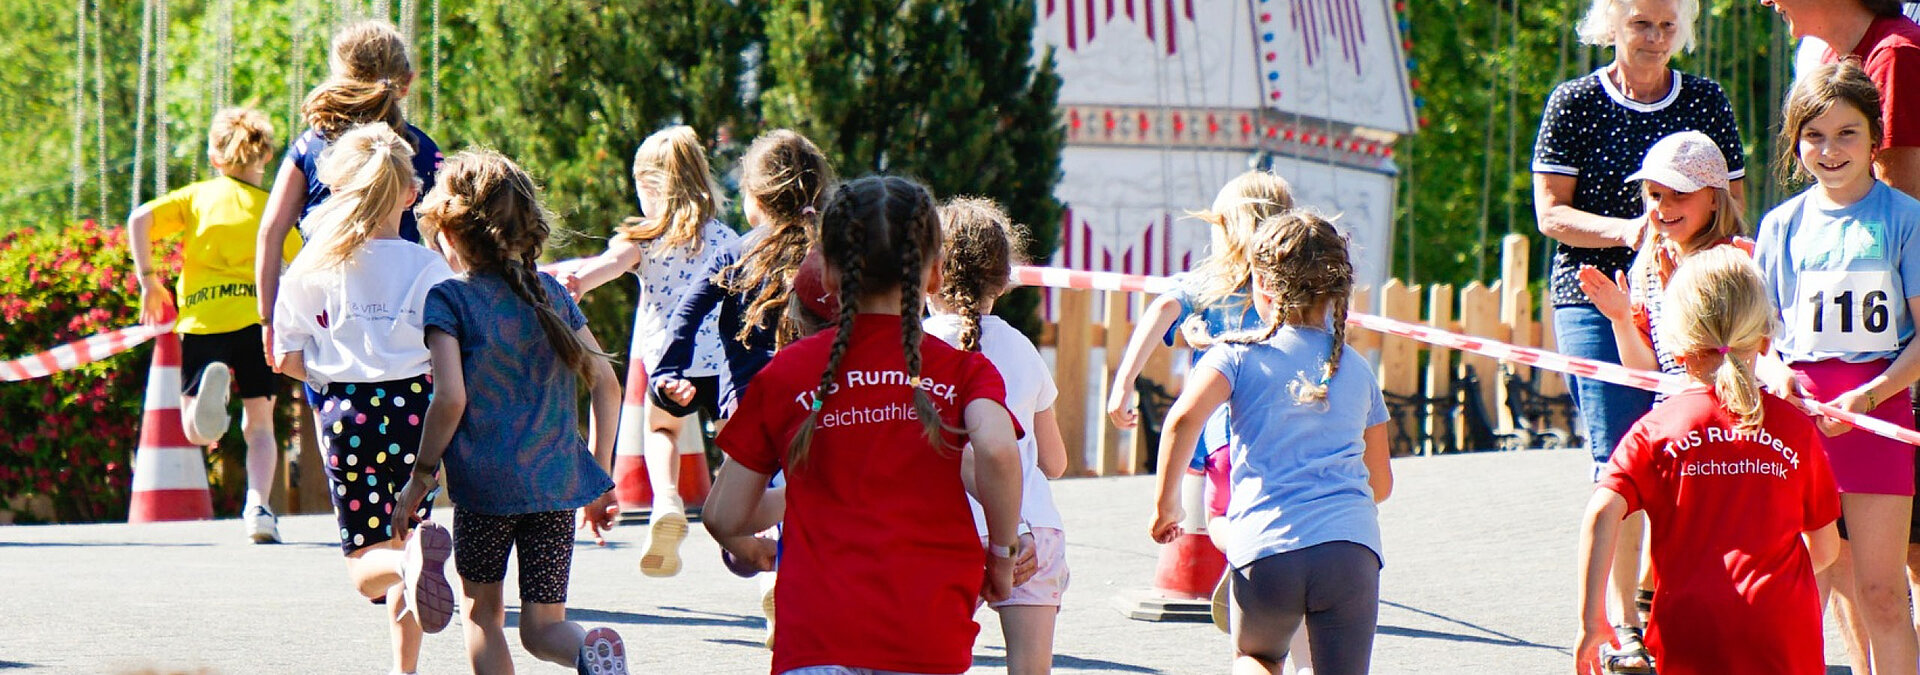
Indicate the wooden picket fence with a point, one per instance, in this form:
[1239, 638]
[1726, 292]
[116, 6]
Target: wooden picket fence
[1426, 387]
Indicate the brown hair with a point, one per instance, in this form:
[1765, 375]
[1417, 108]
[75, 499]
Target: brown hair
[1813, 95]
[1717, 301]
[878, 233]
[786, 176]
[1301, 260]
[981, 246]
[239, 138]
[370, 170]
[672, 164]
[1882, 8]
[490, 211]
[370, 69]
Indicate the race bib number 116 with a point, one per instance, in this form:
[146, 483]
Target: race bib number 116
[1847, 311]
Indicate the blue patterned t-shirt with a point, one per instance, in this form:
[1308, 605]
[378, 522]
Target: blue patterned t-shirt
[518, 448]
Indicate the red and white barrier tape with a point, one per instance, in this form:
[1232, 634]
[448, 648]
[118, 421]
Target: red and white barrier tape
[80, 352]
[1559, 363]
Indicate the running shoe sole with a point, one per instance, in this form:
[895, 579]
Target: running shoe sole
[1218, 611]
[263, 528]
[766, 605]
[602, 653]
[662, 558]
[428, 594]
[209, 409]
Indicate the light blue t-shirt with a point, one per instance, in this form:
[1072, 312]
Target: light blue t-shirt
[518, 448]
[1841, 277]
[1299, 478]
[1232, 314]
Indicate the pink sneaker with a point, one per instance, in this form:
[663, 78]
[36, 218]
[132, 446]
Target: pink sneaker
[423, 576]
[602, 653]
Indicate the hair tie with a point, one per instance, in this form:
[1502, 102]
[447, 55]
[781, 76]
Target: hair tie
[1723, 349]
[808, 210]
[816, 405]
[913, 382]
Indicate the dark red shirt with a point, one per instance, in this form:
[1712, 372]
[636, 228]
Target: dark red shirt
[881, 566]
[1727, 507]
[1890, 53]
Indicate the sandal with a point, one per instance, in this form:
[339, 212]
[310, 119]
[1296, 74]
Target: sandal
[1632, 657]
[1643, 603]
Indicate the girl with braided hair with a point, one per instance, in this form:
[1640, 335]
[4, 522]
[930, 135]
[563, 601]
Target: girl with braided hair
[510, 351]
[880, 563]
[348, 323]
[981, 246]
[1309, 464]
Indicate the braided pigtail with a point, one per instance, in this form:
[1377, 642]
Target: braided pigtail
[921, 237]
[980, 245]
[785, 177]
[1301, 263]
[844, 241]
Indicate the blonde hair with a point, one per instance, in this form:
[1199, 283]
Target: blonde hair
[1718, 307]
[370, 171]
[1603, 17]
[489, 209]
[1304, 265]
[239, 138]
[370, 68]
[1729, 220]
[673, 165]
[1813, 95]
[1242, 205]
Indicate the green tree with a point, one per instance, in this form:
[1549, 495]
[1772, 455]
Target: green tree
[945, 91]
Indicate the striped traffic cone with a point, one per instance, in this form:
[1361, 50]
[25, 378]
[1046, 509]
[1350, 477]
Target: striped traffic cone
[1189, 568]
[169, 473]
[629, 463]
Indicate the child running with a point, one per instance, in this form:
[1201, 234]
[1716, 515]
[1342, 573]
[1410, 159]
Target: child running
[1737, 489]
[350, 324]
[219, 325]
[673, 243]
[881, 567]
[510, 351]
[371, 73]
[1309, 445]
[980, 247]
[1843, 262]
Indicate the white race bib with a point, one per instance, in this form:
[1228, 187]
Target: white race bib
[1848, 311]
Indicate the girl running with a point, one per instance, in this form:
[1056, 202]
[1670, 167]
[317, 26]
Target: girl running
[674, 242]
[350, 325]
[1308, 465]
[1736, 486]
[218, 323]
[1843, 261]
[866, 414]
[371, 73]
[981, 245]
[511, 349]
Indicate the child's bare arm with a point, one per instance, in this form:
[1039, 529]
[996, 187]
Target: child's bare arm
[622, 254]
[276, 224]
[1597, 535]
[996, 467]
[1378, 457]
[448, 405]
[1823, 545]
[1206, 390]
[292, 364]
[602, 426]
[1153, 324]
[1053, 448]
[156, 302]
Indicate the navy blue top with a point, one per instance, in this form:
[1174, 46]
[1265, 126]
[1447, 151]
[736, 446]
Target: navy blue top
[744, 359]
[306, 155]
[518, 447]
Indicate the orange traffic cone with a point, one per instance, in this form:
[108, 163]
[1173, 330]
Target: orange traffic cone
[1189, 568]
[169, 473]
[629, 464]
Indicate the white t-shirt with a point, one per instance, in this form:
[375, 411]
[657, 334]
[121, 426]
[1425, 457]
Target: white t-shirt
[664, 280]
[361, 321]
[1030, 389]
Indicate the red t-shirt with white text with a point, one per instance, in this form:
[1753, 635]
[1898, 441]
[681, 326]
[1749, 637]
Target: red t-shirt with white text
[880, 566]
[1736, 591]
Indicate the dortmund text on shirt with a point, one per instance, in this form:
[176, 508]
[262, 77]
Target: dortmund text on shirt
[217, 292]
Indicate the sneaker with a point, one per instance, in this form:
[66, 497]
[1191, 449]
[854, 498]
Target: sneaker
[423, 576]
[662, 558]
[208, 411]
[1217, 612]
[602, 653]
[766, 605]
[262, 526]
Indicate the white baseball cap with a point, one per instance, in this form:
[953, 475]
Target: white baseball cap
[1687, 161]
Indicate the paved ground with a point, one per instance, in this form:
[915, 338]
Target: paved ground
[1479, 579]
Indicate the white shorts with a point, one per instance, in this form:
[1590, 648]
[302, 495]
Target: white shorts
[1044, 589]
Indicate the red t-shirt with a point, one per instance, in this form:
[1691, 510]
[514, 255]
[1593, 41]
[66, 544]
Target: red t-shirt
[1890, 53]
[1727, 508]
[880, 566]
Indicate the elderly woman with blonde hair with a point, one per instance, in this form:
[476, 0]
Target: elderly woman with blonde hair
[1596, 130]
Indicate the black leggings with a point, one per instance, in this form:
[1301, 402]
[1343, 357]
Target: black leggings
[1333, 587]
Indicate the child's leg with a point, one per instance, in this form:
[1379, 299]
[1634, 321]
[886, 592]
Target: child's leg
[662, 454]
[486, 618]
[406, 633]
[256, 424]
[545, 542]
[1344, 607]
[480, 547]
[189, 405]
[1269, 603]
[1877, 529]
[1300, 652]
[1029, 633]
[1836, 584]
[375, 570]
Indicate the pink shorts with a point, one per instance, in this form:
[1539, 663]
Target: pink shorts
[1044, 589]
[1863, 463]
[1219, 489]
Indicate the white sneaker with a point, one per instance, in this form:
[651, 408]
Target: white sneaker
[208, 411]
[262, 526]
[662, 558]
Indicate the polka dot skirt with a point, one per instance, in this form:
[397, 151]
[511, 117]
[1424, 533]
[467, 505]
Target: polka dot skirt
[369, 434]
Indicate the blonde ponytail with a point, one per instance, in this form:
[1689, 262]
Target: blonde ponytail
[370, 171]
[1718, 314]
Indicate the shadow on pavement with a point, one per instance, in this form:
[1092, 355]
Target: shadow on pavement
[1496, 637]
[76, 544]
[1065, 661]
[10, 665]
[590, 616]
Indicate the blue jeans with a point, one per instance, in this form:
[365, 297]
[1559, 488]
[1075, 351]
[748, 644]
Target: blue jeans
[1606, 410]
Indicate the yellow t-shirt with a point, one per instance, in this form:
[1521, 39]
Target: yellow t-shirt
[220, 219]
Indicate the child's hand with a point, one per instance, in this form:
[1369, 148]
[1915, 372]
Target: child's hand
[407, 503]
[1026, 563]
[761, 553]
[1608, 295]
[1166, 524]
[1121, 409]
[1856, 401]
[677, 390]
[572, 283]
[156, 303]
[599, 516]
[999, 582]
[1586, 651]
